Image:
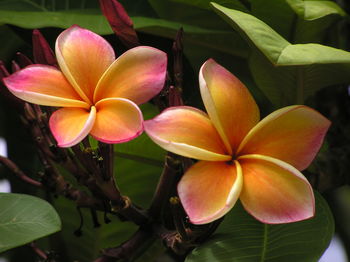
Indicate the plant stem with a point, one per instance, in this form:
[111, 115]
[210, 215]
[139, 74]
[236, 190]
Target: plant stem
[165, 185]
[128, 249]
[18, 172]
[38, 251]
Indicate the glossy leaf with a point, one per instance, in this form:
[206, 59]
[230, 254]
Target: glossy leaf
[288, 84]
[314, 18]
[312, 10]
[24, 218]
[240, 238]
[305, 67]
[257, 33]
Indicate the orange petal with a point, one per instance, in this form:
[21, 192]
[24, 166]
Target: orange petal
[83, 57]
[43, 85]
[137, 75]
[228, 102]
[71, 125]
[187, 131]
[275, 192]
[118, 120]
[208, 190]
[293, 134]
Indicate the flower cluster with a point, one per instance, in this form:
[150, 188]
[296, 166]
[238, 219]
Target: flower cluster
[240, 156]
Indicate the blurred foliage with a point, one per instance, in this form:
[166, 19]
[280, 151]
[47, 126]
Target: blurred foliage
[285, 51]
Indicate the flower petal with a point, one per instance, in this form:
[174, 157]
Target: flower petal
[137, 75]
[275, 192]
[208, 190]
[71, 125]
[43, 85]
[187, 131]
[228, 102]
[293, 134]
[118, 120]
[83, 57]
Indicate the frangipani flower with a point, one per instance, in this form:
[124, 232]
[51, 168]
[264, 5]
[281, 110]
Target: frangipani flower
[98, 93]
[241, 158]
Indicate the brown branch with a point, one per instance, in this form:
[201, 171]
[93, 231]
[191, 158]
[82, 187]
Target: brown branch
[128, 249]
[18, 172]
[165, 186]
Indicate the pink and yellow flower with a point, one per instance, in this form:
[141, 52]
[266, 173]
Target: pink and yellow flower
[98, 93]
[258, 162]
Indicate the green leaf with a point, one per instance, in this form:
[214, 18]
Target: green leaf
[30, 17]
[241, 238]
[308, 54]
[314, 18]
[205, 4]
[89, 19]
[277, 49]
[312, 10]
[218, 35]
[285, 85]
[180, 12]
[257, 33]
[276, 13]
[303, 68]
[24, 218]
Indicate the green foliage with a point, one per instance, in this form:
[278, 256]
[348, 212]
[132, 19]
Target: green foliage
[241, 238]
[25, 218]
[287, 73]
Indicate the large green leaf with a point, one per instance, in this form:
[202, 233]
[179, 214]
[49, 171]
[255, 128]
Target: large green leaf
[24, 218]
[312, 10]
[257, 33]
[305, 68]
[289, 84]
[241, 238]
[314, 18]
